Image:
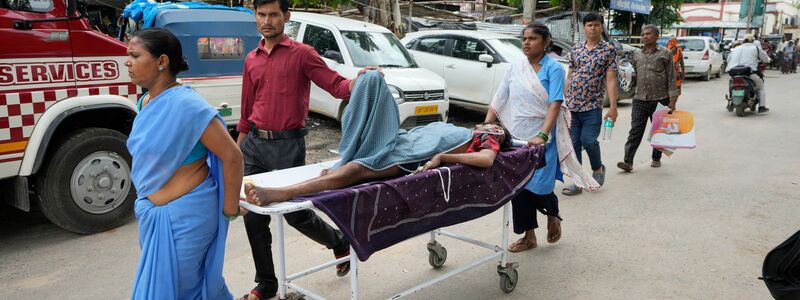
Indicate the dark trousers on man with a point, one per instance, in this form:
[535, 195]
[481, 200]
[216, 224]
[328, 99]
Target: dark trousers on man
[641, 112]
[524, 206]
[584, 131]
[261, 155]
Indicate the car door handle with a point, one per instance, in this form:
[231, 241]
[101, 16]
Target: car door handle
[453, 66]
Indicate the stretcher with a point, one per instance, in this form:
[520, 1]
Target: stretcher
[437, 253]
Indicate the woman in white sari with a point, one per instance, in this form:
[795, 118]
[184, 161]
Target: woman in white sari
[528, 103]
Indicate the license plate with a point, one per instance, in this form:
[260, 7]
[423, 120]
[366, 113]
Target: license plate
[426, 109]
[225, 112]
[738, 93]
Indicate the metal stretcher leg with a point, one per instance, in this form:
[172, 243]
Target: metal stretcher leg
[507, 271]
[281, 258]
[353, 274]
[437, 254]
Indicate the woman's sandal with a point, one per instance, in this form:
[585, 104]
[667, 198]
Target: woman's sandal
[343, 268]
[519, 247]
[572, 190]
[253, 292]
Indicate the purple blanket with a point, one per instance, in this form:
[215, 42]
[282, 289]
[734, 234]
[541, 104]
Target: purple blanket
[377, 215]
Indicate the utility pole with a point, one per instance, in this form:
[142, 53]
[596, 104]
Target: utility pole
[528, 11]
[750, 5]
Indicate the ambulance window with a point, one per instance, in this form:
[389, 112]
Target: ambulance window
[41, 6]
[220, 48]
[321, 39]
[292, 29]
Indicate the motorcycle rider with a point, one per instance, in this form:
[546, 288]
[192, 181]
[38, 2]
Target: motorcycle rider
[749, 55]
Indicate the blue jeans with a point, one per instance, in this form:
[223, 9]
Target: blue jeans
[585, 130]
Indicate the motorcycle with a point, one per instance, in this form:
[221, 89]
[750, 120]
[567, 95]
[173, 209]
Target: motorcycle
[742, 92]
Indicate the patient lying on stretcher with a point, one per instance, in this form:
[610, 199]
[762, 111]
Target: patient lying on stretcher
[374, 147]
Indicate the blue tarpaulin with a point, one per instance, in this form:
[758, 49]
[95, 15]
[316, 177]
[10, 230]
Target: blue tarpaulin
[146, 10]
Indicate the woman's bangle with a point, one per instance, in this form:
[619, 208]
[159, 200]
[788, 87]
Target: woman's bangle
[233, 218]
[544, 136]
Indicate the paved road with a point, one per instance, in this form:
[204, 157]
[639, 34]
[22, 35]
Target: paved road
[698, 228]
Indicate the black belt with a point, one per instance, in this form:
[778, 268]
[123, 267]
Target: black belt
[279, 135]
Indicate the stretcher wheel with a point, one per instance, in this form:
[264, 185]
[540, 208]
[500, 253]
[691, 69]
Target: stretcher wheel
[508, 281]
[437, 255]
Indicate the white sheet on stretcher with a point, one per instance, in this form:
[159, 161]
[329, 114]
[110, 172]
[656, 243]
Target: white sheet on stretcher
[282, 178]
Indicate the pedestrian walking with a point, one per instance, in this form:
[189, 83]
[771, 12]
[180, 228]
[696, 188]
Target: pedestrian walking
[677, 59]
[276, 85]
[187, 172]
[528, 103]
[655, 83]
[592, 75]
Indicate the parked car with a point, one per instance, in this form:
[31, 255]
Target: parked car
[472, 62]
[348, 45]
[701, 56]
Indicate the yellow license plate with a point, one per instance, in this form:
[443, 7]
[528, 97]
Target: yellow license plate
[426, 109]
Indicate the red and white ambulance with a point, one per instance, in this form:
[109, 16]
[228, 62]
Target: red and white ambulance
[66, 107]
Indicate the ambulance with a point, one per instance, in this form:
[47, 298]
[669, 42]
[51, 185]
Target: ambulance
[66, 108]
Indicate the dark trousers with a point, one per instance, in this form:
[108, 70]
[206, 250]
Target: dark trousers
[267, 155]
[584, 131]
[524, 207]
[641, 112]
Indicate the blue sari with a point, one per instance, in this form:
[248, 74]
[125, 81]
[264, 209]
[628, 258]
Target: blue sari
[182, 242]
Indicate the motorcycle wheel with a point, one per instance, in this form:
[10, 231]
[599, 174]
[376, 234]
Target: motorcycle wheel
[740, 110]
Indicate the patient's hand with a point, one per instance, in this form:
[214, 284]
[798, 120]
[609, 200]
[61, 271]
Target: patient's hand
[435, 161]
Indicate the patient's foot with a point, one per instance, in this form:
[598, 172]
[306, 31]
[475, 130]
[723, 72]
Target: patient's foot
[260, 196]
[522, 244]
[553, 229]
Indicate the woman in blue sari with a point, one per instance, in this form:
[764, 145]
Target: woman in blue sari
[528, 103]
[187, 172]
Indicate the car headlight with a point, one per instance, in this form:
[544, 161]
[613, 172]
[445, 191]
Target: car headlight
[397, 94]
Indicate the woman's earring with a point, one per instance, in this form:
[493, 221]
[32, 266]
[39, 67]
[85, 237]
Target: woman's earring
[160, 68]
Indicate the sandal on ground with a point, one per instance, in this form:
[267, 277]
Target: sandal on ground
[655, 164]
[259, 295]
[553, 230]
[600, 177]
[572, 190]
[343, 268]
[520, 246]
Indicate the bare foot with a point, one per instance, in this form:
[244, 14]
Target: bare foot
[522, 245]
[553, 229]
[257, 195]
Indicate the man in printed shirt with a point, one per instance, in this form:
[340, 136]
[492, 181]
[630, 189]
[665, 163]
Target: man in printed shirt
[276, 84]
[655, 83]
[592, 70]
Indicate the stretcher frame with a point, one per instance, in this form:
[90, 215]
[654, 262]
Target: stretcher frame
[437, 254]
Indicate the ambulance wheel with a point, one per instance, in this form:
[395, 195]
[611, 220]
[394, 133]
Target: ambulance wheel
[437, 255]
[508, 281]
[84, 185]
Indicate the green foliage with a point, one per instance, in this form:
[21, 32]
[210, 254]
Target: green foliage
[318, 3]
[665, 13]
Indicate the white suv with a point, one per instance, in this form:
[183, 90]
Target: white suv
[348, 45]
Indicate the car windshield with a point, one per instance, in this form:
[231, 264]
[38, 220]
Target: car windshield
[377, 49]
[510, 49]
[692, 44]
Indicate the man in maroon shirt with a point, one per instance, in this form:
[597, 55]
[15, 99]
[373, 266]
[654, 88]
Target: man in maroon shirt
[276, 83]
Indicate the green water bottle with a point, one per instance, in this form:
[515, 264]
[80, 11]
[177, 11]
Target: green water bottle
[608, 125]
